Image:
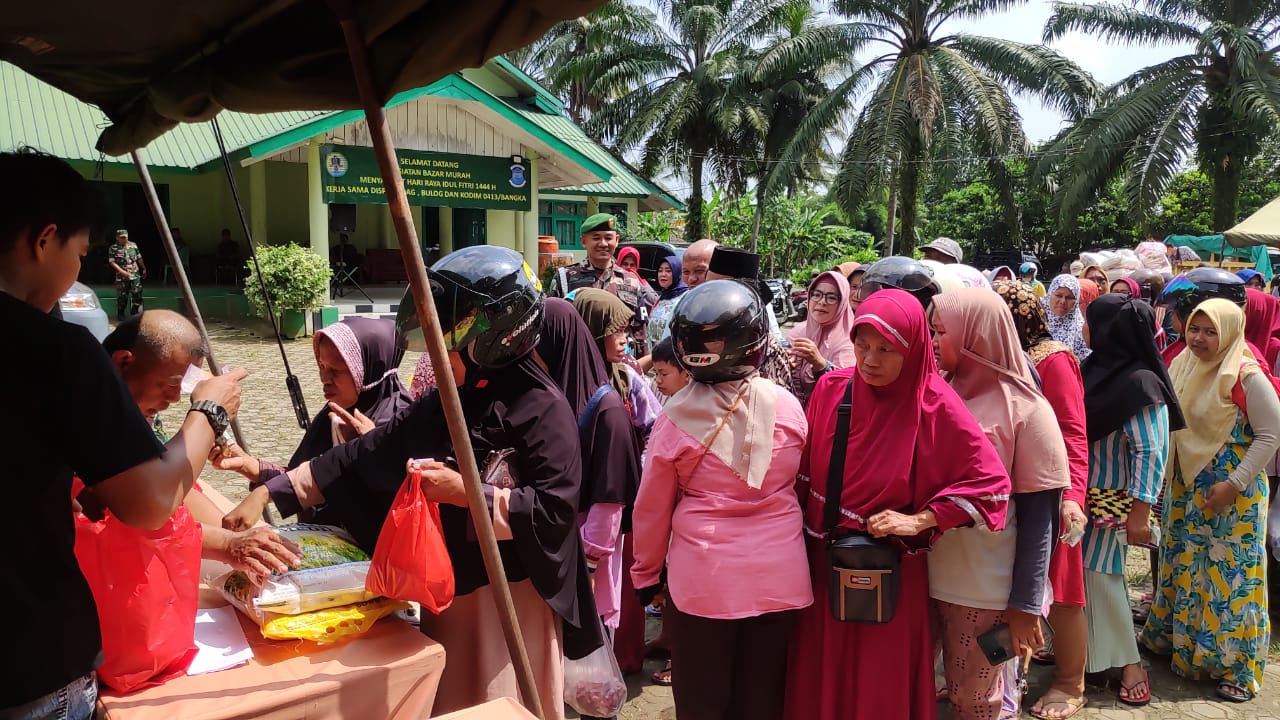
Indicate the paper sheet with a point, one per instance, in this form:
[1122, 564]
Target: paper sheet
[220, 640]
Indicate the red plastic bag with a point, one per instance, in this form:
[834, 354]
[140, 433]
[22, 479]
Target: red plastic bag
[146, 585]
[411, 561]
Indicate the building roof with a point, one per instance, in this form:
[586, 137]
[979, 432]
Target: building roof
[39, 115]
[36, 114]
[626, 182]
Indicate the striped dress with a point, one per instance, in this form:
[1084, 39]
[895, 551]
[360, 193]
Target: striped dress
[1133, 459]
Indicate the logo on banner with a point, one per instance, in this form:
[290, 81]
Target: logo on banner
[518, 179]
[337, 165]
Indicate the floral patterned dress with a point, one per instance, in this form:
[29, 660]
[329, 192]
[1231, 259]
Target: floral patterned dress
[1210, 608]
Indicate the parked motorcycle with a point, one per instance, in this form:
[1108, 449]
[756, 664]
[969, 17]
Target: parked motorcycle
[800, 304]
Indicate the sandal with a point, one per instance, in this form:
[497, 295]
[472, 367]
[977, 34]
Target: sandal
[1043, 656]
[1234, 692]
[1056, 697]
[663, 676]
[1136, 699]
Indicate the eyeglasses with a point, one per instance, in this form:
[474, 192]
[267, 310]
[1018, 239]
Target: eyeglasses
[825, 297]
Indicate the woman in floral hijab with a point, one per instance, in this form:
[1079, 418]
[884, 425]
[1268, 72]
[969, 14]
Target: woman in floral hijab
[1062, 310]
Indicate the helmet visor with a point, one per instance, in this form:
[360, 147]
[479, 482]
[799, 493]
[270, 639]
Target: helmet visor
[1177, 290]
[461, 312]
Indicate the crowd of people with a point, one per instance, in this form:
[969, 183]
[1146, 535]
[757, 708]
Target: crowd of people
[934, 479]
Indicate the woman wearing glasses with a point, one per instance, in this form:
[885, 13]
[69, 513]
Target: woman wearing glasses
[822, 342]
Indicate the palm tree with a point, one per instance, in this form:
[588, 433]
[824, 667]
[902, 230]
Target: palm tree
[674, 99]
[776, 99]
[551, 59]
[1217, 101]
[932, 97]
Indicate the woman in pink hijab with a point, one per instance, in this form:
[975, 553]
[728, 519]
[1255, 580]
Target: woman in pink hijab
[916, 467]
[978, 578]
[822, 342]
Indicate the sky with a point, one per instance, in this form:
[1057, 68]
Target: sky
[1107, 62]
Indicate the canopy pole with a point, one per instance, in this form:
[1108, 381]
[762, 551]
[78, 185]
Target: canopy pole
[179, 272]
[411, 253]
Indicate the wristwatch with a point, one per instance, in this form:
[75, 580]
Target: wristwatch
[217, 416]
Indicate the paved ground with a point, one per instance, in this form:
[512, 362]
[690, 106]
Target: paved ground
[271, 432]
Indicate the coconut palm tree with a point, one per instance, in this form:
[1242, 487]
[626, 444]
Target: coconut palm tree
[932, 96]
[1216, 102]
[551, 59]
[673, 99]
[776, 97]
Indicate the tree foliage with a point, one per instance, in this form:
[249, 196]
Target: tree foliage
[1214, 104]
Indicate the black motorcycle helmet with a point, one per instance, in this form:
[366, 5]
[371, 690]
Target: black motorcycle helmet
[903, 273]
[487, 298]
[1186, 291]
[720, 330]
[1150, 282]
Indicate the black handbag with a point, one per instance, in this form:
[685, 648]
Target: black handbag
[863, 572]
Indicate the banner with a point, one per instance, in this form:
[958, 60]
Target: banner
[349, 174]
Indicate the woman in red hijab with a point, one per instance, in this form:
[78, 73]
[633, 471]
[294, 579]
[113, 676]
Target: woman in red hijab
[906, 417]
[1262, 324]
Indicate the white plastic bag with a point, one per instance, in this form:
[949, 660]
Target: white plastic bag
[594, 684]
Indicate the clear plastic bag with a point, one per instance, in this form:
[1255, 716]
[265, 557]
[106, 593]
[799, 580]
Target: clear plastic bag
[321, 626]
[302, 591]
[594, 685]
[332, 573]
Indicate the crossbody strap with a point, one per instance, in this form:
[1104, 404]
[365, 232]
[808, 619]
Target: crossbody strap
[835, 469]
[593, 405]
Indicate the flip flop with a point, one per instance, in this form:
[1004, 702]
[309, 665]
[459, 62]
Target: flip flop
[1074, 704]
[1136, 700]
[1234, 692]
[663, 676]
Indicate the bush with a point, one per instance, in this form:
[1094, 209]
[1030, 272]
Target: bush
[296, 278]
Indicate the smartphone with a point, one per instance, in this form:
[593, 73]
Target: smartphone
[997, 643]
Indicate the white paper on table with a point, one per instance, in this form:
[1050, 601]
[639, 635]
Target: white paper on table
[220, 640]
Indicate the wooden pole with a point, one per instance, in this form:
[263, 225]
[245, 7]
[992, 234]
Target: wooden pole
[179, 272]
[411, 253]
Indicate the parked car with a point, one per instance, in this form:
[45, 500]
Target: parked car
[80, 306]
[651, 256]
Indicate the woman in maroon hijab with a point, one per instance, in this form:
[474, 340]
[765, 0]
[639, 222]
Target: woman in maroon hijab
[905, 419]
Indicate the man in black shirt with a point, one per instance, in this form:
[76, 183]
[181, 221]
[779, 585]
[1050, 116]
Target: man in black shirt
[67, 411]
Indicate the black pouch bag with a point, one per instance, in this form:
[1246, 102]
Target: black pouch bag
[863, 572]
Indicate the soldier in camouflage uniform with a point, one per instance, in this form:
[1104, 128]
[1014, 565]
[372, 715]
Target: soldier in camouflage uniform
[126, 260]
[600, 238]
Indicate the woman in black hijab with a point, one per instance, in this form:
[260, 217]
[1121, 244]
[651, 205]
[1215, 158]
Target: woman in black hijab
[610, 460]
[1130, 410]
[358, 360]
[526, 442]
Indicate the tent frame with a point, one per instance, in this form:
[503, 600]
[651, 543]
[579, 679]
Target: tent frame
[424, 304]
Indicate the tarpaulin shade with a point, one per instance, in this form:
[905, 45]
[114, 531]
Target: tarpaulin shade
[1260, 228]
[150, 64]
[1206, 245]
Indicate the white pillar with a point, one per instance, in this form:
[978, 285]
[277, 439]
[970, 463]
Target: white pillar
[317, 210]
[530, 223]
[258, 201]
[446, 231]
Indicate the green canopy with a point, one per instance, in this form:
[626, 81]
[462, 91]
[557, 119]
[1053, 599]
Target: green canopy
[150, 64]
[1260, 228]
[1206, 245]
